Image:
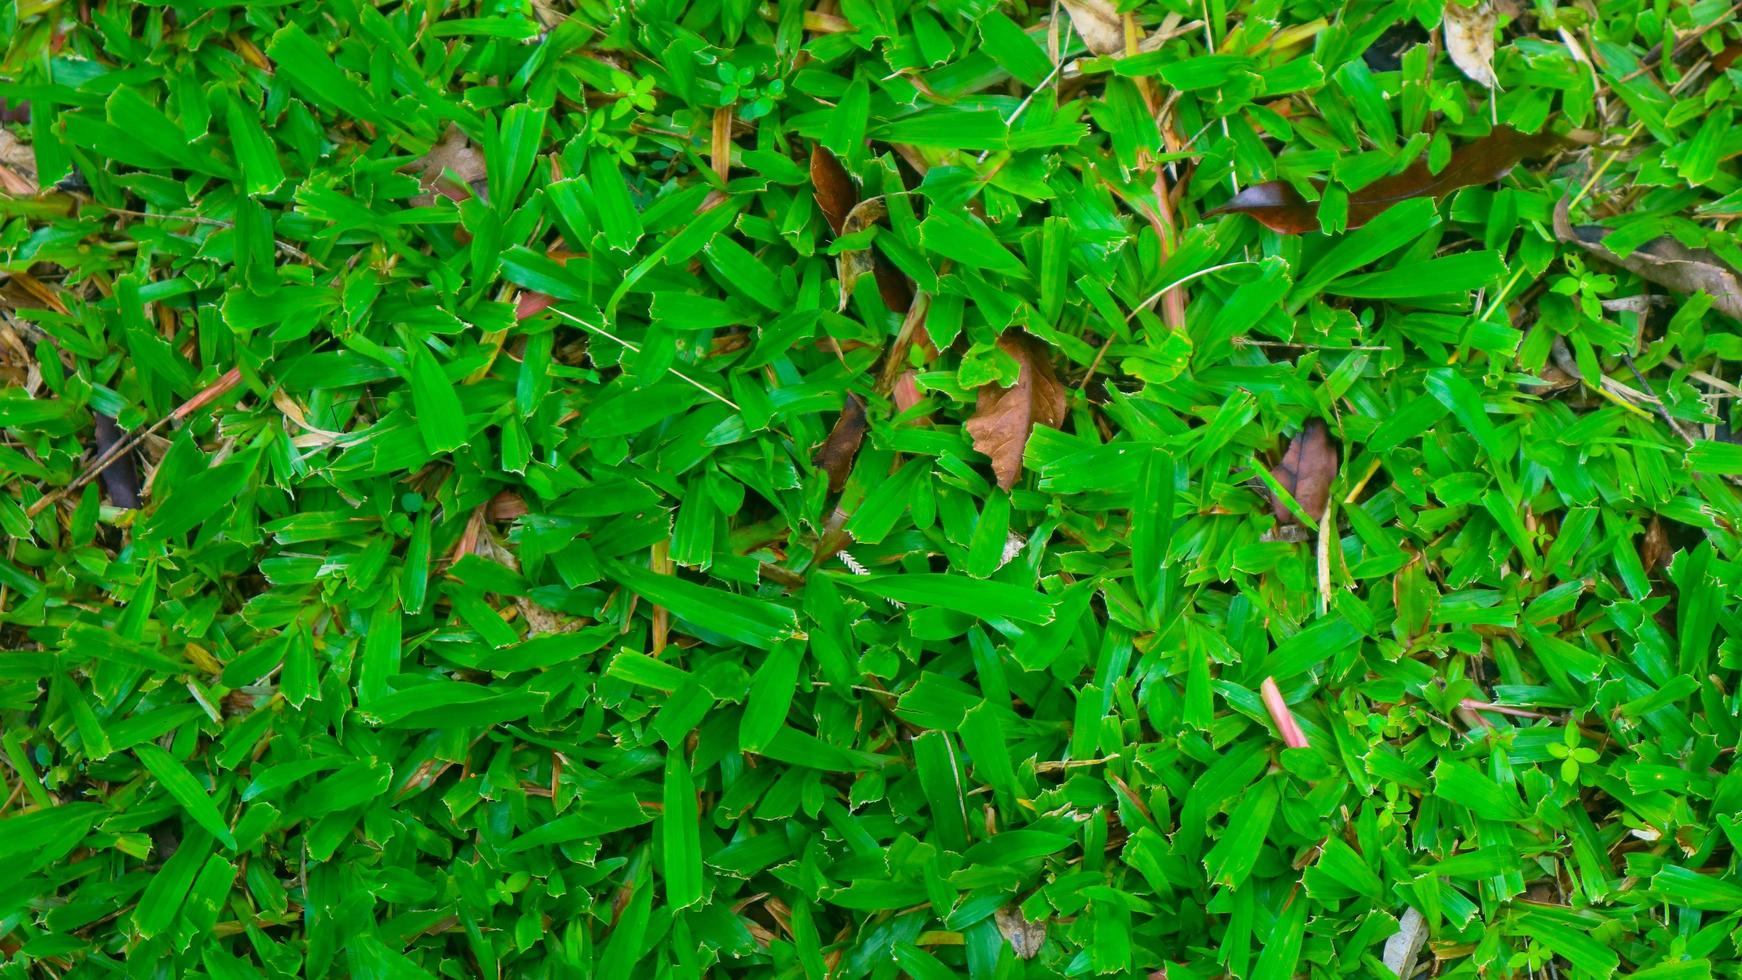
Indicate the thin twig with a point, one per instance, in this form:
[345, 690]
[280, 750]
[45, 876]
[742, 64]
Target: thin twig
[1656, 402]
[198, 219]
[1249, 342]
[608, 335]
[104, 460]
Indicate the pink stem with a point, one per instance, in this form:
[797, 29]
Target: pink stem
[1286, 726]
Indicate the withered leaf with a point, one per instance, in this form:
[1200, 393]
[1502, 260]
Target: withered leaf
[1004, 418]
[1469, 33]
[121, 477]
[1654, 548]
[854, 263]
[893, 285]
[17, 167]
[452, 168]
[1306, 472]
[835, 192]
[1664, 261]
[1099, 23]
[1281, 208]
[906, 391]
[1025, 935]
[835, 456]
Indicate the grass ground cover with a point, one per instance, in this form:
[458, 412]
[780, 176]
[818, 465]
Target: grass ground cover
[869, 488]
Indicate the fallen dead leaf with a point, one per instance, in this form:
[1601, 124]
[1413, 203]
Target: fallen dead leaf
[1004, 418]
[1664, 261]
[453, 168]
[835, 456]
[120, 478]
[853, 264]
[1469, 35]
[1654, 549]
[1405, 944]
[17, 167]
[1282, 208]
[1306, 472]
[1099, 23]
[1025, 935]
[834, 189]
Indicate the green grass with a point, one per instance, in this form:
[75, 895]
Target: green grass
[489, 612]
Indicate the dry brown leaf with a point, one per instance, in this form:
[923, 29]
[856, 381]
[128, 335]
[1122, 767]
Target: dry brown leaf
[452, 168]
[1664, 261]
[834, 189]
[835, 456]
[1306, 472]
[1099, 23]
[1654, 549]
[854, 263]
[120, 478]
[1024, 934]
[1469, 34]
[1281, 208]
[17, 167]
[1005, 417]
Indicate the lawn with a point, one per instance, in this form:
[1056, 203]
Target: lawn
[870, 489]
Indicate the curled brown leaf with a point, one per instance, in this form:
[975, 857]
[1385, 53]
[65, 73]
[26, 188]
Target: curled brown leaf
[1281, 208]
[834, 189]
[835, 456]
[1004, 418]
[121, 477]
[854, 263]
[1306, 472]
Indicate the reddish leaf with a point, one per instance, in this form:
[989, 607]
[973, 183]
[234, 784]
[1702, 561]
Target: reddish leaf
[1004, 418]
[532, 304]
[1306, 472]
[838, 451]
[120, 477]
[1280, 207]
[834, 189]
[1286, 726]
[906, 391]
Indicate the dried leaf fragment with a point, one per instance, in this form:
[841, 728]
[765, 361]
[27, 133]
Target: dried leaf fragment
[854, 263]
[1469, 35]
[1004, 418]
[1025, 935]
[1281, 208]
[1306, 472]
[452, 168]
[1664, 261]
[834, 189]
[121, 477]
[17, 167]
[1099, 23]
[835, 456]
